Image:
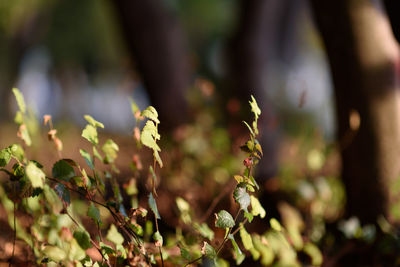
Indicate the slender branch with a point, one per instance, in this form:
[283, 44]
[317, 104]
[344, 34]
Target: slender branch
[14, 234]
[227, 189]
[91, 240]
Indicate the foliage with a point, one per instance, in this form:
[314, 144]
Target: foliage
[78, 209]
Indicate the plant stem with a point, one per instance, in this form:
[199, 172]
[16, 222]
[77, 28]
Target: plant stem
[14, 235]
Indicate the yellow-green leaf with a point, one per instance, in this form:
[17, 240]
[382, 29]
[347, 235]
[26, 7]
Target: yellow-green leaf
[35, 175]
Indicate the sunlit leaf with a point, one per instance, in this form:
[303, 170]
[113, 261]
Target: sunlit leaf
[267, 255]
[76, 253]
[254, 107]
[114, 236]
[93, 122]
[20, 100]
[110, 150]
[24, 134]
[54, 253]
[151, 113]
[149, 136]
[134, 107]
[314, 253]
[35, 175]
[275, 224]
[17, 151]
[90, 134]
[246, 238]
[256, 208]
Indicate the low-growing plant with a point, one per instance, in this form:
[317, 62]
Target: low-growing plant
[69, 208]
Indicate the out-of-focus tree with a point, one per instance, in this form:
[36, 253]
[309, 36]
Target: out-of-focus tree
[22, 24]
[364, 61]
[156, 43]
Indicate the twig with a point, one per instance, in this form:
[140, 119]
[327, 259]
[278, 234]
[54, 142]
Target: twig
[91, 240]
[14, 236]
[227, 189]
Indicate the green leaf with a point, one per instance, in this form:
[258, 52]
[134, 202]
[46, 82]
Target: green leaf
[53, 199]
[149, 135]
[97, 154]
[158, 158]
[241, 196]
[63, 170]
[246, 238]
[63, 193]
[90, 134]
[153, 206]
[256, 208]
[249, 216]
[185, 253]
[275, 224]
[35, 175]
[158, 238]
[20, 100]
[110, 150]
[94, 213]
[204, 230]
[54, 253]
[224, 220]
[151, 113]
[24, 134]
[267, 255]
[93, 122]
[254, 107]
[88, 158]
[83, 239]
[314, 253]
[248, 126]
[114, 236]
[239, 256]
[106, 249]
[5, 157]
[76, 253]
[134, 107]
[17, 151]
[208, 251]
[19, 117]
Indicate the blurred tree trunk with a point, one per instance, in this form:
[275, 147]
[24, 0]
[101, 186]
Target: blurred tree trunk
[393, 11]
[364, 59]
[262, 36]
[15, 46]
[156, 43]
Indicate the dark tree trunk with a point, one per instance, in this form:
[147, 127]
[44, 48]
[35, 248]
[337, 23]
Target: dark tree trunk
[156, 43]
[393, 11]
[262, 35]
[363, 57]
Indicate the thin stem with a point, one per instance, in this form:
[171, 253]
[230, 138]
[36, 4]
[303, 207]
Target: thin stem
[91, 240]
[227, 189]
[159, 248]
[14, 235]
